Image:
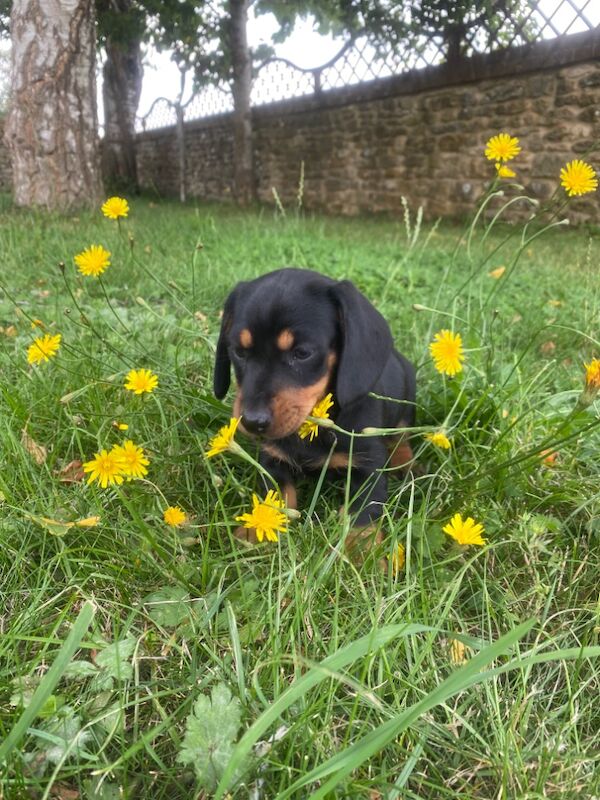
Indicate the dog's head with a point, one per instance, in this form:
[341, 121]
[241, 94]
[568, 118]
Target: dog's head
[292, 336]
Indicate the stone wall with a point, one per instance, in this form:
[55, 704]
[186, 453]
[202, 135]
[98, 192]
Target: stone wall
[420, 135]
[5, 170]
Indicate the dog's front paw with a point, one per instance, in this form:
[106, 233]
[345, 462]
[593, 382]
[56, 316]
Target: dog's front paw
[361, 540]
[246, 535]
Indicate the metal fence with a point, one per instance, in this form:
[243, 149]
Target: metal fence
[279, 79]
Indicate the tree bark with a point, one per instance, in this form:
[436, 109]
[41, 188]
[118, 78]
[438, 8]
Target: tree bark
[244, 189]
[52, 124]
[121, 89]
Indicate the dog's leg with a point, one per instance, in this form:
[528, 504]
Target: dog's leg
[368, 490]
[401, 453]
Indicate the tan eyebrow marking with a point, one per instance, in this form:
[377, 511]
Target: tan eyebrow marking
[245, 338]
[285, 339]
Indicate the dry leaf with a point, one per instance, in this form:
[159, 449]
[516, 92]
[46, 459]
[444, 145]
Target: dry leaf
[88, 522]
[10, 330]
[37, 451]
[548, 348]
[555, 303]
[71, 473]
[497, 273]
[58, 528]
[459, 653]
[61, 792]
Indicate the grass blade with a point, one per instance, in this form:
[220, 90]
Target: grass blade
[50, 679]
[342, 764]
[319, 672]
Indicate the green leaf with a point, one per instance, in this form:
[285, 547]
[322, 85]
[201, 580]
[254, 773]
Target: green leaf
[98, 789]
[80, 669]
[24, 688]
[211, 731]
[63, 736]
[168, 607]
[113, 663]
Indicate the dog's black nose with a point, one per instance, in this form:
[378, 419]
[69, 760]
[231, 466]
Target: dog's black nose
[256, 422]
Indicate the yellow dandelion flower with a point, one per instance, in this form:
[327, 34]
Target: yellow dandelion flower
[320, 411]
[502, 147]
[592, 374]
[133, 459]
[266, 517]
[439, 439]
[140, 381]
[398, 559]
[93, 260]
[447, 352]
[592, 383]
[115, 207]
[174, 516]
[224, 438]
[43, 348]
[578, 178]
[464, 532]
[549, 457]
[106, 468]
[120, 426]
[504, 171]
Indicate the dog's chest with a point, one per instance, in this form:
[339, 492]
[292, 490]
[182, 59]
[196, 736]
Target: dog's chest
[304, 455]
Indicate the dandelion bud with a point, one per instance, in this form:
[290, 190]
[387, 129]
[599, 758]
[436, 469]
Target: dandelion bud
[61, 266]
[370, 431]
[418, 307]
[324, 422]
[217, 481]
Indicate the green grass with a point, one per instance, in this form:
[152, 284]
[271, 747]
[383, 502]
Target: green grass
[337, 681]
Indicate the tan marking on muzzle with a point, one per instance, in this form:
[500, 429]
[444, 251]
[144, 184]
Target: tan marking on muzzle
[290, 407]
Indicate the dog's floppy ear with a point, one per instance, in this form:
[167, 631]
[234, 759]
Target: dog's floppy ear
[366, 343]
[222, 363]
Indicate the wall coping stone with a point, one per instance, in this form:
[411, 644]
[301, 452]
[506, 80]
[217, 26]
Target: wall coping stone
[535, 57]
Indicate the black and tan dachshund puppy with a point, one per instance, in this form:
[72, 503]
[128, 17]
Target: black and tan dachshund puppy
[294, 335]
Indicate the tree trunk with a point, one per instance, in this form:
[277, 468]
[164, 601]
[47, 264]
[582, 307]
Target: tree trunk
[52, 129]
[243, 166]
[121, 89]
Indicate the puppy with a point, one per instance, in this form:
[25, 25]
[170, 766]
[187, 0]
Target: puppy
[292, 336]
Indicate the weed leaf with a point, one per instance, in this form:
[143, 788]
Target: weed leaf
[211, 731]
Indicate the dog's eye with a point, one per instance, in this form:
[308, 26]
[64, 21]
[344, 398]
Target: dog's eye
[302, 353]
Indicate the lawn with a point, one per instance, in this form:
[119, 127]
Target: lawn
[142, 660]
